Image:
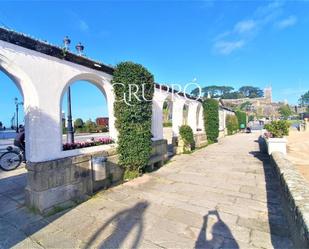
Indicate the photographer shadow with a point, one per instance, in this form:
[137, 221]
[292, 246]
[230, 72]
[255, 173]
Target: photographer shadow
[221, 235]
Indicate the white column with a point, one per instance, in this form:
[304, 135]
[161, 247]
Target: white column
[157, 114]
[178, 104]
[192, 115]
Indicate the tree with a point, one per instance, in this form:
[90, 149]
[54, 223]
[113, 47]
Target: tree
[213, 90]
[78, 123]
[285, 111]
[90, 125]
[251, 92]
[304, 99]
[233, 95]
[246, 106]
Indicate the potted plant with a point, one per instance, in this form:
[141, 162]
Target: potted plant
[274, 136]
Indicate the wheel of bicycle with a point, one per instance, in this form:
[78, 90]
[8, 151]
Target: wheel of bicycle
[10, 160]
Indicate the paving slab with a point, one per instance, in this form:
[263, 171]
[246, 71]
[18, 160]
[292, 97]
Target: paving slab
[222, 196]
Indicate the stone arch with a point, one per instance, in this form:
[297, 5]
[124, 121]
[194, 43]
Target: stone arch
[199, 118]
[105, 87]
[21, 80]
[29, 94]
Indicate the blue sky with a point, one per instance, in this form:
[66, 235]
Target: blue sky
[235, 43]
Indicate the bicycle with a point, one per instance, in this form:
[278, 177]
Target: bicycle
[11, 159]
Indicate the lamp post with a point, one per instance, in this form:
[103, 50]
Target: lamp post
[80, 48]
[70, 131]
[16, 105]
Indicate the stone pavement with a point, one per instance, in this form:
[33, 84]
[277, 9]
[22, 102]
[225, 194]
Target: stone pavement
[222, 196]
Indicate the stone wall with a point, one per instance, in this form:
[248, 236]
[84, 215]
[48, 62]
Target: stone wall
[64, 182]
[158, 153]
[200, 140]
[296, 199]
[60, 182]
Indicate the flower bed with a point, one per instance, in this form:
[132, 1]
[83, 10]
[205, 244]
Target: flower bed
[78, 145]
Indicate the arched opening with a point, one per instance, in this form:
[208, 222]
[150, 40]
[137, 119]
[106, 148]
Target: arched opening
[199, 118]
[185, 113]
[84, 115]
[12, 120]
[168, 123]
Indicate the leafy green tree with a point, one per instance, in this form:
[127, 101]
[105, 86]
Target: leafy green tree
[233, 95]
[251, 91]
[285, 111]
[78, 123]
[246, 106]
[304, 99]
[90, 126]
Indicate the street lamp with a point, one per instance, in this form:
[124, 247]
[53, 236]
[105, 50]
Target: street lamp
[80, 48]
[70, 131]
[16, 105]
[66, 43]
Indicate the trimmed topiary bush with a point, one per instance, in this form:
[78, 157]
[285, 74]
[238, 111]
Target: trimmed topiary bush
[186, 134]
[211, 119]
[133, 116]
[242, 118]
[231, 124]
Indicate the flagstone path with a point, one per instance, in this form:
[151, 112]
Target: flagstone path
[223, 196]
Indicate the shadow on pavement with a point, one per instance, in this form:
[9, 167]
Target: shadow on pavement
[219, 227]
[279, 230]
[123, 222]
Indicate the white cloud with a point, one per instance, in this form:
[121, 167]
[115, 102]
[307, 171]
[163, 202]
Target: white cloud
[247, 29]
[287, 22]
[227, 47]
[83, 26]
[245, 26]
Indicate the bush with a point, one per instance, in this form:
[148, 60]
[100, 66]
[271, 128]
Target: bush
[78, 123]
[186, 133]
[242, 118]
[278, 128]
[133, 117]
[231, 124]
[211, 119]
[167, 124]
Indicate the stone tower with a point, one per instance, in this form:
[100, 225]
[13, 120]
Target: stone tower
[268, 94]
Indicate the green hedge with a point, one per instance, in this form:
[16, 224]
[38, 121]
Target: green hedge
[232, 124]
[186, 134]
[242, 118]
[133, 120]
[211, 119]
[278, 128]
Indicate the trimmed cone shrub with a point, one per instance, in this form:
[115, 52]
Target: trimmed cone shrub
[231, 124]
[242, 118]
[186, 134]
[211, 119]
[133, 116]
